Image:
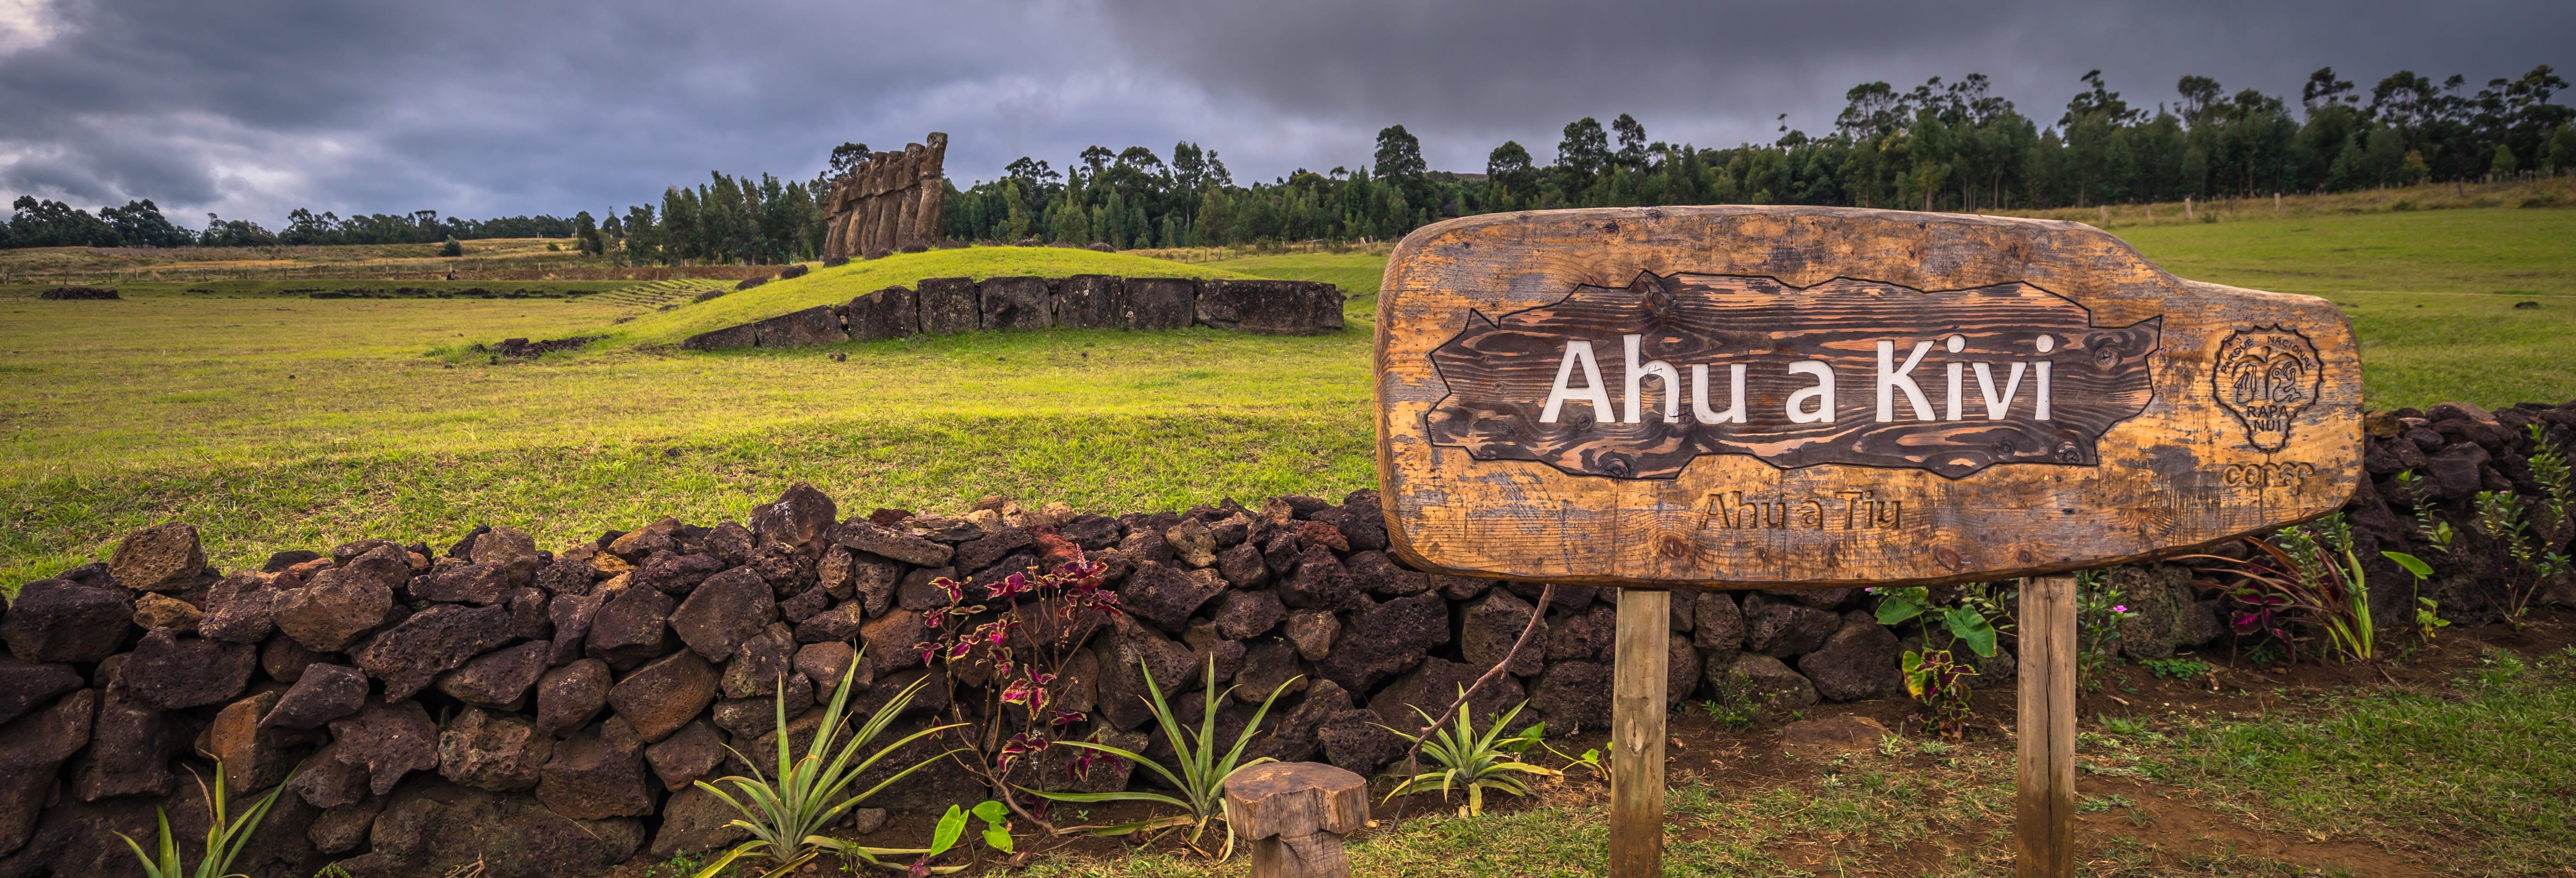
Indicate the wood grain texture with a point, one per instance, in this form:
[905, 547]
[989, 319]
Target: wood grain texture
[2236, 379]
[1637, 709]
[1295, 814]
[2044, 768]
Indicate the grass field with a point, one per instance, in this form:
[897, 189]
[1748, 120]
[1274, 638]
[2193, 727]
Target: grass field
[278, 421]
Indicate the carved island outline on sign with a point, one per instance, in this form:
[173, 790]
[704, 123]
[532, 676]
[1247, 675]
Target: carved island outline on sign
[1752, 365]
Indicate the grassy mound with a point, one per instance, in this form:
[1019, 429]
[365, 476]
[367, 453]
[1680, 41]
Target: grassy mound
[834, 286]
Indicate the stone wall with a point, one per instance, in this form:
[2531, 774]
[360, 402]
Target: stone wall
[544, 710]
[1084, 301]
[888, 203]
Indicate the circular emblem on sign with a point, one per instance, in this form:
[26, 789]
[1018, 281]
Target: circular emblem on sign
[2266, 376]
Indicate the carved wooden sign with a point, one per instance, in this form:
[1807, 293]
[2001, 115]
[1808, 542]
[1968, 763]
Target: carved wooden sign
[1740, 397]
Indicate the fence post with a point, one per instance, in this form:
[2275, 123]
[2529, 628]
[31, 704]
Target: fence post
[2044, 772]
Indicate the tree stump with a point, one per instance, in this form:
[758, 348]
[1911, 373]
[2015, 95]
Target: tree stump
[1295, 814]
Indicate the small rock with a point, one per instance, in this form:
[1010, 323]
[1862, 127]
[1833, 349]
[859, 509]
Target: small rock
[567, 697]
[729, 608]
[1488, 628]
[660, 697]
[629, 629]
[497, 752]
[695, 821]
[324, 692]
[1781, 630]
[1320, 582]
[1313, 631]
[154, 610]
[26, 685]
[239, 609]
[498, 679]
[171, 672]
[688, 755]
[387, 741]
[1778, 686]
[1716, 622]
[410, 655]
[511, 550]
[477, 584]
[823, 665]
[598, 773]
[1858, 662]
[1191, 542]
[338, 606]
[1246, 614]
[54, 620]
[1573, 696]
[163, 557]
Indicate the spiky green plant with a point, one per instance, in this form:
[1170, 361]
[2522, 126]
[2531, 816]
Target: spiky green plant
[1202, 772]
[786, 813]
[1472, 761]
[224, 838]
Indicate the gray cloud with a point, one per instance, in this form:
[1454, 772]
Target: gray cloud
[483, 107]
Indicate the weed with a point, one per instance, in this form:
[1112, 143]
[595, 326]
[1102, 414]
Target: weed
[2310, 571]
[2098, 612]
[1940, 683]
[2176, 668]
[1738, 702]
[1201, 779]
[224, 839]
[786, 813]
[1974, 617]
[1476, 762]
[2120, 725]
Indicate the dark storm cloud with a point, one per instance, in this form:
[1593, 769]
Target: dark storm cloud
[484, 107]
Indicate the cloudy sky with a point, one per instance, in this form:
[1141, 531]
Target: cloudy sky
[476, 107]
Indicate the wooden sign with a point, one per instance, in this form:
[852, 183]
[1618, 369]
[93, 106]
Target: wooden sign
[1725, 397]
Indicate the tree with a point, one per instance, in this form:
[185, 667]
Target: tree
[585, 235]
[1584, 152]
[1508, 168]
[1632, 142]
[2199, 93]
[2323, 89]
[2504, 167]
[452, 247]
[845, 157]
[1399, 155]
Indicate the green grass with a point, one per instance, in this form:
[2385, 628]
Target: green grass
[277, 421]
[2489, 766]
[835, 286]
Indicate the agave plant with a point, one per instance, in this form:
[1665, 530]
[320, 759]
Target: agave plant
[786, 813]
[1473, 761]
[1202, 772]
[224, 838]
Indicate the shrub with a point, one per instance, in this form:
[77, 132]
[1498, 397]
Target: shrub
[1475, 762]
[1202, 774]
[224, 839]
[785, 813]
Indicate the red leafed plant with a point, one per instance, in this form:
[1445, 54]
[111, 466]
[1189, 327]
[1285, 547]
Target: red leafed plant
[1004, 647]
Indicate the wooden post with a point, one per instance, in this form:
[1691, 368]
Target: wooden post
[1295, 814]
[1637, 734]
[2044, 777]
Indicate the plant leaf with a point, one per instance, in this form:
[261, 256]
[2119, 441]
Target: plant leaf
[951, 825]
[2412, 564]
[1971, 627]
[1897, 608]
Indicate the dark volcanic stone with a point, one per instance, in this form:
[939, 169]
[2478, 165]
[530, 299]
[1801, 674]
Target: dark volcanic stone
[431, 828]
[511, 550]
[673, 573]
[1268, 666]
[837, 623]
[324, 692]
[338, 607]
[1858, 662]
[285, 660]
[387, 741]
[1242, 567]
[1588, 634]
[629, 629]
[1271, 307]
[689, 754]
[409, 656]
[567, 697]
[163, 557]
[1430, 689]
[949, 305]
[1166, 596]
[664, 695]
[492, 751]
[1716, 622]
[1353, 741]
[818, 325]
[801, 516]
[1016, 303]
[597, 774]
[1161, 302]
[468, 584]
[32, 750]
[891, 639]
[888, 313]
[253, 756]
[1091, 532]
[1781, 630]
[54, 620]
[25, 685]
[1244, 614]
[1320, 582]
[499, 678]
[1488, 628]
[171, 672]
[978, 554]
[1133, 651]
[1378, 575]
[239, 609]
[694, 821]
[1572, 696]
[1382, 640]
[131, 744]
[570, 616]
[1091, 301]
[727, 609]
[868, 537]
[728, 338]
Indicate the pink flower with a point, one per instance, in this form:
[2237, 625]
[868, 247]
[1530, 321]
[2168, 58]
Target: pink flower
[2121, 608]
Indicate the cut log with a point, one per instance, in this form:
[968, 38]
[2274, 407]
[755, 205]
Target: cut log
[1295, 814]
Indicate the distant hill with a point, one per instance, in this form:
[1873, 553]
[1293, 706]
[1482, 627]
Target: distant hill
[836, 286]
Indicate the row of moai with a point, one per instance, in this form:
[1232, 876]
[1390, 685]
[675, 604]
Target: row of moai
[888, 203]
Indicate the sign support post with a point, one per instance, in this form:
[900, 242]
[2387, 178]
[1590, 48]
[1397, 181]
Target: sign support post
[1637, 733]
[2044, 770]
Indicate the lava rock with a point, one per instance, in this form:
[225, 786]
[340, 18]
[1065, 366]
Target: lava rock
[1167, 596]
[1245, 614]
[239, 609]
[1242, 566]
[691, 753]
[410, 655]
[1378, 575]
[597, 773]
[570, 615]
[131, 744]
[285, 660]
[1781, 630]
[339, 606]
[387, 741]
[1386, 639]
[695, 821]
[477, 584]
[671, 573]
[1432, 687]
[836, 624]
[155, 610]
[1133, 651]
[1588, 634]
[163, 557]
[567, 697]
[489, 751]
[324, 692]
[890, 641]
[729, 608]
[171, 672]
[498, 679]
[824, 664]
[431, 828]
[1858, 662]
[1488, 628]
[511, 550]
[32, 750]
[55, 620]
[1353, 741]
[1779, 687]
[660, 697]
[26, 685]
[253, 756]
[1313, 632]
[1716, 622]
[628, 630]
[1572, 696]
[860, 534]
[1320, 582]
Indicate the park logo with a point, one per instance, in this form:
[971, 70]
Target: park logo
[1636, 382]
[2266, 376]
